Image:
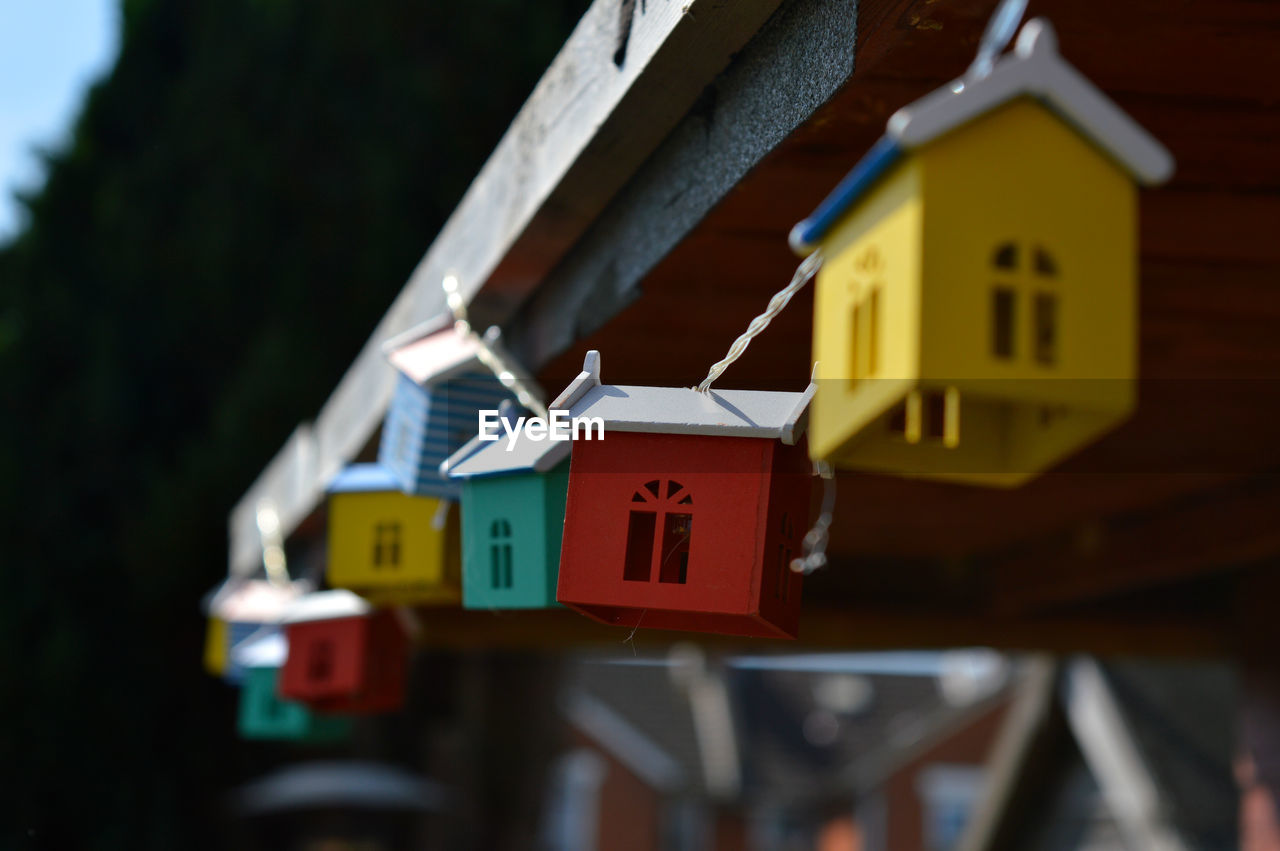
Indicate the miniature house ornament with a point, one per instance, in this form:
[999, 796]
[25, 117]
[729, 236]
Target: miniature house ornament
[344, 655]
[689, 511]
[976, 311]
[388, 546]
[513, 498]
[239, 609]
[443, 383]
[263, 713]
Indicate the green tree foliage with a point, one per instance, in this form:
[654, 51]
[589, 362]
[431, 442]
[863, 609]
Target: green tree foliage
[243, 196]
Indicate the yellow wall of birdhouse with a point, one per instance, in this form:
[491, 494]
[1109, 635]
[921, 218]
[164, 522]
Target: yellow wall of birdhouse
[991, 275]
[393, 548]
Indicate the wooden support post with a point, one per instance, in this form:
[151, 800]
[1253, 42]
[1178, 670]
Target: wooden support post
[1033, 738]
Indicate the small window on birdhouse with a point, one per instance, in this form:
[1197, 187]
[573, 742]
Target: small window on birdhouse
[1003, 306]
[935, 415]
[676, 534]
[667, 506]
[873, 331]
[400, 445]
[320, 661]
[855, 342]
[785, 536]
[500, 553]
[639, 546]
[1046, 326]
[864, 335]
[1006, 257]
[1045, 267]
[386, 545]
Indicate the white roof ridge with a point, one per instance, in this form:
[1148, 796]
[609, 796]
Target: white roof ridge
[327, 605]
[588, 378]
[415, 333]
[777, 414]
[480, 458]
[1036, 68]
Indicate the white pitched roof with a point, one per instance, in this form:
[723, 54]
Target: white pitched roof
[479, 458]
[268, 650]
[684, 410]
[1035, 68]
[440, 349]
[433, 351]
[327, 605]
[254, 600]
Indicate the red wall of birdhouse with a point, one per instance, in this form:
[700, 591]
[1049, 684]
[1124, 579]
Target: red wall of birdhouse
[740, 489]
[351, 665]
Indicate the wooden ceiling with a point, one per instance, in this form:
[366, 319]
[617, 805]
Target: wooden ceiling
[1137, 543]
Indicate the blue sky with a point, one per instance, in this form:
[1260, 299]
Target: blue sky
[50, 52]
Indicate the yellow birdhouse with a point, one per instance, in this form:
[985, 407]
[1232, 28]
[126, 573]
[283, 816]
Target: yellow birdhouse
[976, 310]
[389, 547]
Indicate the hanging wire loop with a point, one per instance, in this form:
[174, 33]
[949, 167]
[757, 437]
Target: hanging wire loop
[816, 539]
[806, 270]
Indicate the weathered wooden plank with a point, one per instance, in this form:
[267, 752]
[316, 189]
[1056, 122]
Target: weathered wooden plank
[586, 127]
[798, 61]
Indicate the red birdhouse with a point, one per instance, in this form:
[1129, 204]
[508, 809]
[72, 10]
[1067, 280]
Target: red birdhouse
[344, 655]
[689, 510]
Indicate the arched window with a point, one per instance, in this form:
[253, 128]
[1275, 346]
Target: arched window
[1024, 277]
[659, 533]
[386, 545]
[500, 553]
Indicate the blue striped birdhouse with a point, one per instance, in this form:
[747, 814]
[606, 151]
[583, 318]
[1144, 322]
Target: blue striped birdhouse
[444, 383]
[513, 496]
[263, 713]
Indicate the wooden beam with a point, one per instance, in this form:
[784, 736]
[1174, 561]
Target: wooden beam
[830, 628]
[1214, 530]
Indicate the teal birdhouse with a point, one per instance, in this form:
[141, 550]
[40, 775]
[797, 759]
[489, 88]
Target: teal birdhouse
[513, 497]
[263, 714]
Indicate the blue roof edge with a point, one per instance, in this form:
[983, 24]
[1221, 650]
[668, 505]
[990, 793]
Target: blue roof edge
[806, 234]
[364, 478]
